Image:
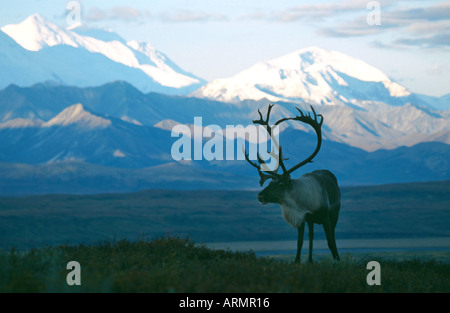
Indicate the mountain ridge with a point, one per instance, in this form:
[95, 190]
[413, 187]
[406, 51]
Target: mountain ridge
[383, 126]
[421, 163]
[122, 138]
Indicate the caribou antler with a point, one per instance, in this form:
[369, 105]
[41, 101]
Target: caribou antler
[307, 119]
[315, 124]
[264, 175]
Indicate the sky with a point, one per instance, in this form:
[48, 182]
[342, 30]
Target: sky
[407, 40]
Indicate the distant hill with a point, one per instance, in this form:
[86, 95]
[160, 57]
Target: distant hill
[414, 210]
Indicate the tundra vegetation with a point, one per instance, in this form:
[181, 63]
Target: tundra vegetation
[175, 264]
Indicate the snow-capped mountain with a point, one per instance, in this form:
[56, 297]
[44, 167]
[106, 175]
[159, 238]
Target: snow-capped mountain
[312, 75]
[86, 57]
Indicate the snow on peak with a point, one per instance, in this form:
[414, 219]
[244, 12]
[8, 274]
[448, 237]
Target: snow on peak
[36, 32]
[313, 74]
[76, 114]
[157, 65]
[342, 63]
[143, 47]
[317, 59]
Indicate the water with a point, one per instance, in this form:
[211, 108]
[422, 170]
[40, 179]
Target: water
[264, 248]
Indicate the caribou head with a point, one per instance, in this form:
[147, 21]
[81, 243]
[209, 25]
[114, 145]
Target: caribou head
[281, 182]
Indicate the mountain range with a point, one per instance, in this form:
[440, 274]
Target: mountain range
[84, 111]
[50, 144]
[379, 127]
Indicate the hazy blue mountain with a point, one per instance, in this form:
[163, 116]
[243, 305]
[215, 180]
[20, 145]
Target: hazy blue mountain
[439, 103]
[77, 134]
[385, 126]
[115, 138]
[123, 157]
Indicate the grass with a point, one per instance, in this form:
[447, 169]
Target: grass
[175, 264]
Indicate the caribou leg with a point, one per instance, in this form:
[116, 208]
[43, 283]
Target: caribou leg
[334, 243]
[311, 238]
[329, 232]
[301, 232]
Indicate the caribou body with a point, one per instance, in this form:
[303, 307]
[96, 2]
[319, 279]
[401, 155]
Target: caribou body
[313, 198]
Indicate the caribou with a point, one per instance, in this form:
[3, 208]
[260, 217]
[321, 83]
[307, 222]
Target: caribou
[314, 198]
